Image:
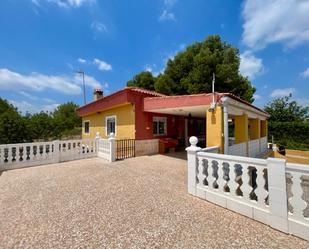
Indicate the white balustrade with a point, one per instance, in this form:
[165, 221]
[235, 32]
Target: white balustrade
[26, 154]
[229, 173]
[298, 175]
[254, 147]
[253, 187]
[13, 156]
[263, 144]
[238, 149]
[104, 149]
[77, 149]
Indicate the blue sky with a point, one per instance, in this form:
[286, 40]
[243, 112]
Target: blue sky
[43, 43]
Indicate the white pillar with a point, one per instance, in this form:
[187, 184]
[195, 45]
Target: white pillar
[56, 152]
[278, 203]
[112, 148]
[192, 164]
[226, 128]
[96, 142]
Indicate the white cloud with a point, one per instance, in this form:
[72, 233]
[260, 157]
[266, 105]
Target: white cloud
[27, 95]
[305, 74]
[81, 60]
[152, 69]
[69, 65]
[24, 106]
[34, 98]
[65, 3]
[148, 69]
[102, 65]
[50, 108]
[36, 2]
[167, 16]
[170, 3]
[40, 82]
[268, 22]
[303, 101]
[278, 93]
[250, 65]
[257, 96]
[98, 27]
[89, 81]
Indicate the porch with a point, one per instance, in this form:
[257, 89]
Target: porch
[222, 120]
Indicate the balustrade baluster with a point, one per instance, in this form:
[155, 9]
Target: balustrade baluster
[233, 185]
[214, 174]
[73, 148]
[21, 153]
[10, 154]
[200, 175]
[296, 200]
[260, 191]
[30, 152]
[246, 187]
[220, 181]
[34, 152]
[69, 148]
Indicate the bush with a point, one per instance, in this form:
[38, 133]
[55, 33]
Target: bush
[292, 135]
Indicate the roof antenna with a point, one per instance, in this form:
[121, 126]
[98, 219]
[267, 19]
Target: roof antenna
[213, 104]
[213, 87]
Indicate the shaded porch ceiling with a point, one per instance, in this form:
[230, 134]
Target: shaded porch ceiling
[181, 105]
[195, 111]
[197, 105]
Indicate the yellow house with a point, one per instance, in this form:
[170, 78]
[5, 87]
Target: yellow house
[217, 119]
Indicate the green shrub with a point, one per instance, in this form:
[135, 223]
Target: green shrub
[292, 135]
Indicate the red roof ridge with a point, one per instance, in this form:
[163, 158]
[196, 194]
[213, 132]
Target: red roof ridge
[136, 89]
[142, 90]
[179, 96]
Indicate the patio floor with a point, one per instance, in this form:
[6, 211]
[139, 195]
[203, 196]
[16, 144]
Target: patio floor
[136, 203]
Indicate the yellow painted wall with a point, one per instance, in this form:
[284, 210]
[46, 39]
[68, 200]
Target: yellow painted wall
[125, 122]
[241, 128]
[255, 128]
[264, 128]
[214, 128]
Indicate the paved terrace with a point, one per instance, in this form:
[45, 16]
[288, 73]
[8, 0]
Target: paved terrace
[137, 203]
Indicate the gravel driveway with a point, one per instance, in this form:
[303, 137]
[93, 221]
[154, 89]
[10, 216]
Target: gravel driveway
[136, 203]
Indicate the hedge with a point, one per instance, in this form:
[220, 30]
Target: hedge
[292, 135]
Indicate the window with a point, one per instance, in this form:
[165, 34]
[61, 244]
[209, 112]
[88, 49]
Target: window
[110, 123]
[159, 125]
[86, 127]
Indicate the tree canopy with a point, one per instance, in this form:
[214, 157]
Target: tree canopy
[144, 80]
[18, 128]
[285, 110]
[12, 126]
[191, 71]
[288, 123]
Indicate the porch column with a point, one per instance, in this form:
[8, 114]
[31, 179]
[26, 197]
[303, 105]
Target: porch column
[214, 128]
[241, 130]
[264, 128]
[255, 125]
[226, 128]
[255, 131]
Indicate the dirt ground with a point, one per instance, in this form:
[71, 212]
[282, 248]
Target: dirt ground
[136, 203]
